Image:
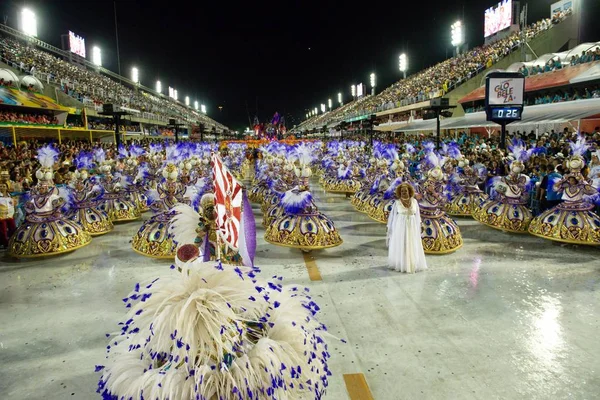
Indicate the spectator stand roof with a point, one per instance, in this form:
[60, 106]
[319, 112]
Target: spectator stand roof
[555, 113]
[547, 80]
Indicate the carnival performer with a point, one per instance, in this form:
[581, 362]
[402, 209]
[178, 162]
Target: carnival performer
[439, 233]
[138, 174]
[46, 230]
[115, 202]
[507, 209]
[210, 330]
[153, 238]
[469, 196]
[573, 220]
[302, 225]
[87, 197]
[404, 232]
[344, 181]
[7, 210]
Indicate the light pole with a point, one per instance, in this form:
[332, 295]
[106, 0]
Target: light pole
[403, 64]
[97, 56]
[159, 87]
[135, 75]
[322, 108]
[353, 91]
[329, 104]
[340, 98]
[187, 101]
[372, 76]
[457, 37]
[28, 22]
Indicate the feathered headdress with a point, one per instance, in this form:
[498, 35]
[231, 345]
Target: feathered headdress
[518, 150]
[579, 147]
[136, 151]
[99, 155]
[155, 148]
[123, 152]
[84, 160]
[47, 156]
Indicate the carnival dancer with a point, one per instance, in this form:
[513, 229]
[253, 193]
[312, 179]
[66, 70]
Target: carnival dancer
[507, 209]
[7, 210]
[115, 202]
[138, 174]
[46, 230]
[153, 238]
[469, 196]
[439, 233]
[573, 220]
[302, 225]
[87, 196]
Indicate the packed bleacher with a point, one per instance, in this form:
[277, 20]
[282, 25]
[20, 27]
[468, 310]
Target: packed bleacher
[26, 118]
[90, 87]
[437, 80]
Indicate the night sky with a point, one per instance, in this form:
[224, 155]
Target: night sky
[259, 58]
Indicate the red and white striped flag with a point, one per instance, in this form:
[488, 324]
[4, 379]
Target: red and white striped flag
[228, 203]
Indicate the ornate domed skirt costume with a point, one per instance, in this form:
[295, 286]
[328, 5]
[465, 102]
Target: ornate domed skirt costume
[507, 214]
[118, 208]
[153, 238]
[139, 199]
[336, 185]
[569, 222]
[306, 231]
[272, 214]
[380, 208]
[439, 233]
[466, 203]
[93, 220]
[46, 234]
[361, 198]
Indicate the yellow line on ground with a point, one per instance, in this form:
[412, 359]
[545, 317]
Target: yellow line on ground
[357, 387]
[311, 267]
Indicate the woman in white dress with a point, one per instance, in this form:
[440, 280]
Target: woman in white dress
[404, 233]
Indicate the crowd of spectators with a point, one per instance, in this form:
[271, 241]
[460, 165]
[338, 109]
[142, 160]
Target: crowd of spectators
[556, 63]
[27, 118]
[437, 80]
[91, 87]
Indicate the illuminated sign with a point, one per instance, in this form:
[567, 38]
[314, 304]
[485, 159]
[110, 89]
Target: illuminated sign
[497, 18]
[76, 44]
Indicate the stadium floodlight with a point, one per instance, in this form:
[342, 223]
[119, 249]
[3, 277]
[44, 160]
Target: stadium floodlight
[372, 76]
[175, 94]
[457, 34]
[135, 75]
[316, 110]
[322, 107]
[96, 56]
[340, 98]
[403, 64]
[187, 100]
[159, 87]
[353, 90]
[329, 103]
[28, 22]
[203, 108]
[196, 105]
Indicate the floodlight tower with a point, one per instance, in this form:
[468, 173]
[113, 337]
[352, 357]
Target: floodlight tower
[403, 64]
[457, 35]
[329, 104]
[353, 91]
[28, 22]
[159, 87]
[340, 98]
[372, 77]
[96, 56]
[135, 75]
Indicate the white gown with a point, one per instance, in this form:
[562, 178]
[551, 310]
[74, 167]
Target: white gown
[404, 238]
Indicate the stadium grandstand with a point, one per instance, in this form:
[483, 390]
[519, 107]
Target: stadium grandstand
[43, 95]
[405, 101]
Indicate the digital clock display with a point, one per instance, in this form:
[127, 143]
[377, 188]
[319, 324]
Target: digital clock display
[506, 113]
